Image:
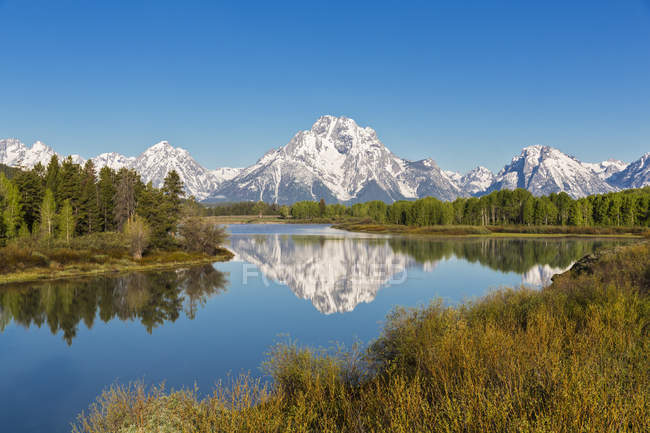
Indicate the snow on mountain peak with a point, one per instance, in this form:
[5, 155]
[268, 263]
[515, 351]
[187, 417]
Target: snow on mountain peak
[337, 160]
[476, 180]
[543, 170]
[635, 175]
[340, 161]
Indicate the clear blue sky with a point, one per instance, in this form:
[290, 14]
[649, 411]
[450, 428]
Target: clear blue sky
[464, 82]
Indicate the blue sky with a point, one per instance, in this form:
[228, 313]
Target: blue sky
[464, 82]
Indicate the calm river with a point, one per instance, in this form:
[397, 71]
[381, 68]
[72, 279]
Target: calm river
[62, 343]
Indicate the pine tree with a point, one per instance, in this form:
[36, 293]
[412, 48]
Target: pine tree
[173, 190]
[106, 187]
[30, 185]
[322, 207]
[125, 193]
[52, 175]
[88, 215]
[155, 209]
[69, 184]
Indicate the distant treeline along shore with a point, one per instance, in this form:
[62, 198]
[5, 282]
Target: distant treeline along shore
[626, 208]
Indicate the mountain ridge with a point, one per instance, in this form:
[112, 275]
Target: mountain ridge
[340, 161]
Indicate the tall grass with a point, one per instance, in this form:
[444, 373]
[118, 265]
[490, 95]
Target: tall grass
[572, 357]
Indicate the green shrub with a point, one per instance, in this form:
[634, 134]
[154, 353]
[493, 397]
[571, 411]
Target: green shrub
[201, 235]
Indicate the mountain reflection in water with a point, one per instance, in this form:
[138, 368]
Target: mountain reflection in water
[153, 298]
[338, 273]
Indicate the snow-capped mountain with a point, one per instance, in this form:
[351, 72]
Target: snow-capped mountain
[113, 160]
[339, 161]
[154, 164]
[606, 169]
[635, 175]
[16, 154]
[476, 180]
[543, 170]
[157, 161]
[223, 174]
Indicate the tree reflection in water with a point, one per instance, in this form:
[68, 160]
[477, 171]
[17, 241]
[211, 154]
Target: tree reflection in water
[152, 298]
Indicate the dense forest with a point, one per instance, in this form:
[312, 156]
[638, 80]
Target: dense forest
[64, 200]
[507, 207]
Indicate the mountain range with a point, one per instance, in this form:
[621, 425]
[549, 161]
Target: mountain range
[340, 161]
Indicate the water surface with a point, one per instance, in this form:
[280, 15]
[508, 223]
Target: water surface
[62, 342]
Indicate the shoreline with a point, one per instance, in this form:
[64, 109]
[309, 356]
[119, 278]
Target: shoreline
[472, 232]
[436, 231]
[85, 270]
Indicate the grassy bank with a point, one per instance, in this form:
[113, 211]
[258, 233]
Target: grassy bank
[271, 219]
[87, 256]
[572, 357]
[513, 230]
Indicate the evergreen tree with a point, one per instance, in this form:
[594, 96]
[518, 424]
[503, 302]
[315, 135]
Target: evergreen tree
[30, 185]
[173, 190]
[52, 175]
[125, 196]
[154, 207]
[88, 218]
[69, 185]
[322, 207]
[106, 186]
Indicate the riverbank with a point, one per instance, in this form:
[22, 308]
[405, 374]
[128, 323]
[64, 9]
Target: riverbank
[569, 357]
[494, 231]
[39, 264]
[267, 219]
[362, 225]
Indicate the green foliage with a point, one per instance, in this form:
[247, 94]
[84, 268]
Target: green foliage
[67, 222]
[125, 195]
[48, 217]
[305, 210]
[199, 235]
[88, 215]
[8, 172]
[138, 235]
[173, 190]
[241, 208]
[30, 185]
[106, 198]
[10, 206]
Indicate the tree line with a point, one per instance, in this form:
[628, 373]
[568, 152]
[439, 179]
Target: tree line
[64, 200]
[507, 207]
